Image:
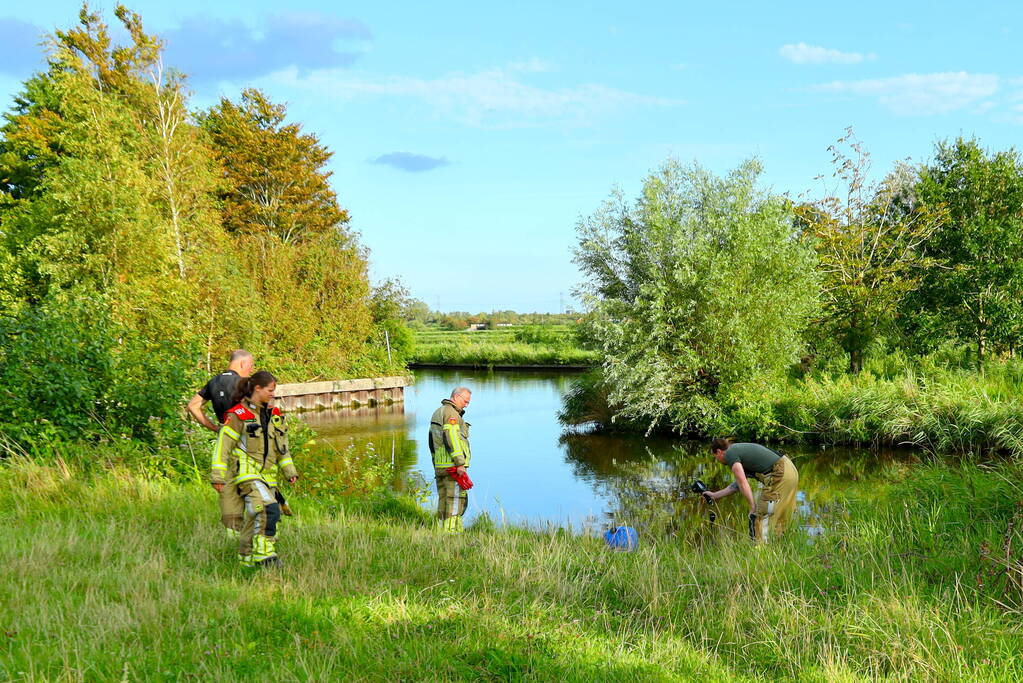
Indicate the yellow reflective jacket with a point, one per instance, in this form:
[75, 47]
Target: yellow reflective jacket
[252, 444]
[449, 437]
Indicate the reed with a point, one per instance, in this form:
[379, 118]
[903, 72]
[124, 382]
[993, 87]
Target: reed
[947, 411]
[940, 410]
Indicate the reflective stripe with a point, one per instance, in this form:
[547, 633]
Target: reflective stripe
[264, 493]
[218, 453]
[285, 462]
[256, 476]
[226, 434]
[455, 437]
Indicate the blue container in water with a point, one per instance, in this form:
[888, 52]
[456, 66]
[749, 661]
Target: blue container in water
[622, 538]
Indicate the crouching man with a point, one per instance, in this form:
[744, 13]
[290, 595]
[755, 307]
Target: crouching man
[771, 512]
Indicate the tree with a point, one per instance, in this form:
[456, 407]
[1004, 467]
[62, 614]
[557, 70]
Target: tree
[870, 247]
[276, 182]
[109, 192]
[700, 292]
[29, 141]
[109, 188]
[392, 307]
[977, 290]
[416, 312]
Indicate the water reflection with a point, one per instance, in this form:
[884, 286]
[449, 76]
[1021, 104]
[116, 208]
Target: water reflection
[380, 429]
[648, 480]
[339, 419]
[528, 470]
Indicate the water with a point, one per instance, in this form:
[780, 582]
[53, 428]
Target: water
[528, 470]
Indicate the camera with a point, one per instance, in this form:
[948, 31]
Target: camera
[699, 488]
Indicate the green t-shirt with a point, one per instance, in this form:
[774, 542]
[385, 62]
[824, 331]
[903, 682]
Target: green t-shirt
[755, 459]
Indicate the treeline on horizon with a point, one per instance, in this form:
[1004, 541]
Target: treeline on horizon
[419, 315]
[141, 241]
[888, 313]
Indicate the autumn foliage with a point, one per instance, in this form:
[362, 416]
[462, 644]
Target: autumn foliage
[190, 235]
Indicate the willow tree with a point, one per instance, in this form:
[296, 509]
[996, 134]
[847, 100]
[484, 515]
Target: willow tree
[700, 291]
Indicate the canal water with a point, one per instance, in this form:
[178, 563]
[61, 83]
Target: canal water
[529, 470]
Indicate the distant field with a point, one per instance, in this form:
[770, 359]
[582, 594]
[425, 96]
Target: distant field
[520, 345]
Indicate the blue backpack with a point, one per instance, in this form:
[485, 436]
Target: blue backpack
[622, 538]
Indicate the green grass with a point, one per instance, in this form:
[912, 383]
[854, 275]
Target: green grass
[554, 345]
[943, 411]
[119, 577]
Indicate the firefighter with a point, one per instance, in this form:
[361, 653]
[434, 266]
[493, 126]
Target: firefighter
[251, 451]
[770, 513]
[449, 446]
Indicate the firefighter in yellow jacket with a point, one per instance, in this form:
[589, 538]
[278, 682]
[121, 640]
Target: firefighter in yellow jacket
[251, 451]
[449, 446]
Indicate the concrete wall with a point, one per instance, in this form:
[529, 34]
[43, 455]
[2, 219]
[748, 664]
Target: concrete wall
[341, 393]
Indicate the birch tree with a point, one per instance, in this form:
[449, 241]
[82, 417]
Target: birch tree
[869, 240]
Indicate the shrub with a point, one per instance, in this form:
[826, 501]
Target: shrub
[68, 373]
[539, 334]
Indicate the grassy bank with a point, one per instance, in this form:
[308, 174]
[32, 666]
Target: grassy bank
[552, 345]
[948, 411]
[119, 577]
[940, 409]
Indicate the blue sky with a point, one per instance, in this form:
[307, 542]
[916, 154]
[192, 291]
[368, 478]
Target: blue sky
[469, 138]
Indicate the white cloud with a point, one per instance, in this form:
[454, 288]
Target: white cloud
[801, 53]
[496, 97]
[921, 93]
[531, 65]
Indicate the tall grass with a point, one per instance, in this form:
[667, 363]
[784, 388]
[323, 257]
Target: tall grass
[946, 411]
[117, 576]
[939, 409]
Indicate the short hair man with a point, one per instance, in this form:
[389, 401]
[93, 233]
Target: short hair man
[771, 512]
[220, 389]
[449, 446]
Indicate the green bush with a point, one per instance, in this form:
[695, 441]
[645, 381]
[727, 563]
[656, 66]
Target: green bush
[67, 373]
[540, 334]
